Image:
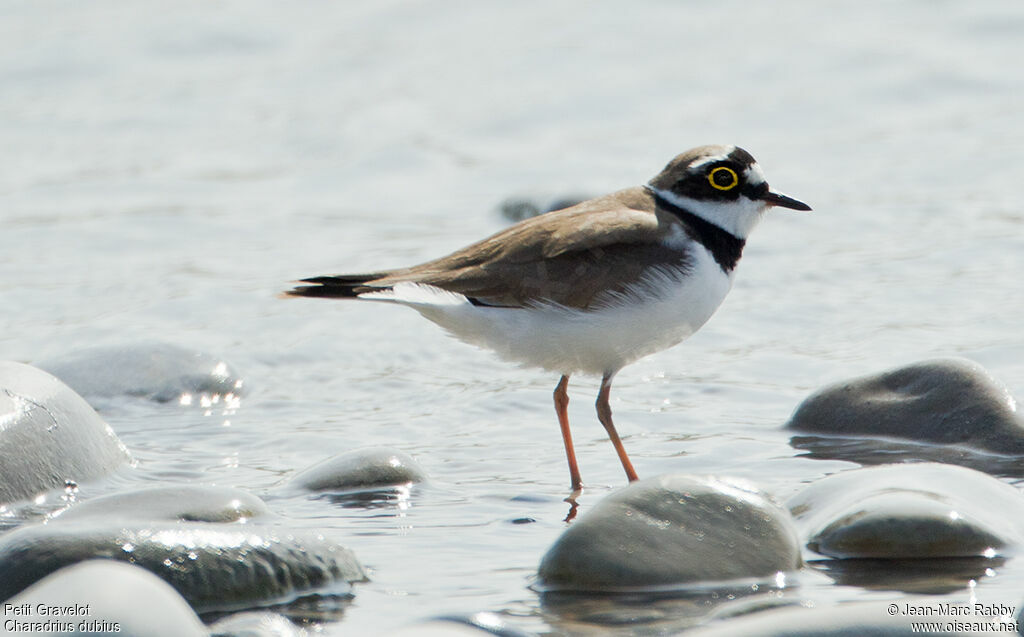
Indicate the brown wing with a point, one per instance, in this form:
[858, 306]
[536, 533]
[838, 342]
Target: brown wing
[570, 257]
[576, 279]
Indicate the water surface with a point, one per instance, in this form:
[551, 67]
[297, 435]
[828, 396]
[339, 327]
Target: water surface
[170, 168]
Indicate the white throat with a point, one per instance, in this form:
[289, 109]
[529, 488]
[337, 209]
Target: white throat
[738, 218]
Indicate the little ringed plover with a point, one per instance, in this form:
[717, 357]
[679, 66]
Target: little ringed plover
[591, 288]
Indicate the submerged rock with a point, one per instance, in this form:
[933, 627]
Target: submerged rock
[214, 567]
[121, 600]
[49, 435]
[520, 208]
[673, 530]
[910, 511]
[369, 468]
[190, 503]
[948, 401]
[160, 372]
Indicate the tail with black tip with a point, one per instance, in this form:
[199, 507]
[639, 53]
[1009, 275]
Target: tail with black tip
[342, 286]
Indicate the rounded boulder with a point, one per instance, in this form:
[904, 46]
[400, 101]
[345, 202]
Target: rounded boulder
[673, 530]
[214, 567]
[946, 401]
[161, 372]
[104, 597]
[186, 502]
[923, 510]
[49, 435]
[369, 468]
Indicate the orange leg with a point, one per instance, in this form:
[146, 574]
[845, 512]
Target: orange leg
[604, 414]
[561, 408]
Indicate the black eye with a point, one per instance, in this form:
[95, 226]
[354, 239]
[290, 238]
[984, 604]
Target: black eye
[723, 178]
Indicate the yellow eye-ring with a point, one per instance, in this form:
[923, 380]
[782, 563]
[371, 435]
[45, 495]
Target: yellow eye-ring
[723, 178]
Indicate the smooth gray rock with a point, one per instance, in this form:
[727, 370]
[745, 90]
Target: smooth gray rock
[189, 503]
[157, 371]
[910, 511]
[673, 530]
[214, 567]
[112, 598]
[49, 435]
[947, 401]
[360, 469]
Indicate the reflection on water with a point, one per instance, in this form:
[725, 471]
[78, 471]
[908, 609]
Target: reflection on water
[396, 497]
[305, 610]
[934, 576]
[662, 612]
[876, 451]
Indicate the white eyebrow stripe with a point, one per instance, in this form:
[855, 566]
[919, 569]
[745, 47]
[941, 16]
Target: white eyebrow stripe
[754, 175]
[712, 158]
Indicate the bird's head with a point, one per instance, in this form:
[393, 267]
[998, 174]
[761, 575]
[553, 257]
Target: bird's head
[722, 184]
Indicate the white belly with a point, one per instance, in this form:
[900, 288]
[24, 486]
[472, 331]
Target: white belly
[655, 314]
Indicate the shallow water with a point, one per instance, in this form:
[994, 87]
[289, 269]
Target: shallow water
[170, 169]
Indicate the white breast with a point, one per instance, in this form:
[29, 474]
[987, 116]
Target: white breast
[663, 309]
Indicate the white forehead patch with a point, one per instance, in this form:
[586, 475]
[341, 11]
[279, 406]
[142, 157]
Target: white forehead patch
[754, 175]
[712, 158]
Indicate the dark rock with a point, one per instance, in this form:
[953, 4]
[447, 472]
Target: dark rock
[190, 503]
[910, 510]
[949, 401]
[122, 600]
[673, 530]
[519, 208]
[157, 371]
[369, 468]
[49, 435]
[214, 567]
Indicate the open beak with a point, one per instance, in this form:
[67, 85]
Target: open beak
[773, 198]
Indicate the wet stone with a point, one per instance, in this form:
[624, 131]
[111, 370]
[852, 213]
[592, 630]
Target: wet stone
[108, 598]
[214, 567]
[673, 530]
[361, 469]
[49, 435]
[161, 372]
[189, 503]
[946, 401]
[924, 510]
